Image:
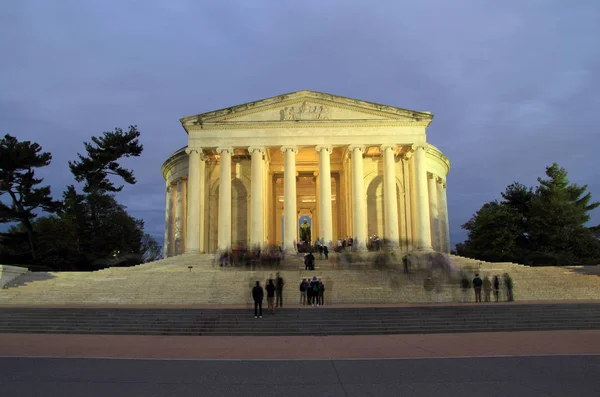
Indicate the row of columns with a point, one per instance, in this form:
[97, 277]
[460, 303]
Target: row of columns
[194, 186]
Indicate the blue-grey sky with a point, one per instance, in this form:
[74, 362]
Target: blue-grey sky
[513, 84]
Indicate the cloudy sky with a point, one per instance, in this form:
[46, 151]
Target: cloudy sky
[513, 84]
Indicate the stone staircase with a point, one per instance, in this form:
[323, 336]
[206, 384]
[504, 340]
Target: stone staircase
[173, 282]
[308, 321]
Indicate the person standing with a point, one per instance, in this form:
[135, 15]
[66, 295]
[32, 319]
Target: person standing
[477, 283]
[314, 291]
[303, 292]
[321, 296]
[496, 288]
[257, 295]
[279, 292]
[271, 296]
[487, 288]
[508, 285]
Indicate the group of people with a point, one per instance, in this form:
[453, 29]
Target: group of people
[488, 286]
[312, 292]
[274, 295]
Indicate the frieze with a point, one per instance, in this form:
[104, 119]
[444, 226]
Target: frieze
[305, 112]
[310, 123]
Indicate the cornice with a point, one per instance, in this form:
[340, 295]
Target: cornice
[172, 161]
[306, 95]
[303, 124]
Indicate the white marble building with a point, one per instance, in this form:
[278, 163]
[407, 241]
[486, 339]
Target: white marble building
[251, 173]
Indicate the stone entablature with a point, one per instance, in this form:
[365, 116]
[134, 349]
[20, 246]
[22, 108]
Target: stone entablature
[240, 176]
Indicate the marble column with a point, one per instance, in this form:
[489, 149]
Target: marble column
[359, 209]
[257, 182]
[192, 237]
[290, 222]
[389, 195]
[224, 219]
[180, 216]
[434, 216]
[202, 202]
[444, 226]
[168, 221]
[422, 200]
[325, 213]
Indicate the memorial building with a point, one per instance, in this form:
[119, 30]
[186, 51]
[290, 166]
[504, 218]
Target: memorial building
[306, 165]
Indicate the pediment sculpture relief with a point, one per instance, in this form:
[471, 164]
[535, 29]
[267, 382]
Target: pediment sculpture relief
[305, 112]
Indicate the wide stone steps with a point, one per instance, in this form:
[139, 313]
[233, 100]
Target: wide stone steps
[305, 321]
[171, 281]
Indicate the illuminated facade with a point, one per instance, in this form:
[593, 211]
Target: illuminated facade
[252, 174]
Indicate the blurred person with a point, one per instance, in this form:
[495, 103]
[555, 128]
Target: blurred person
[258, 295]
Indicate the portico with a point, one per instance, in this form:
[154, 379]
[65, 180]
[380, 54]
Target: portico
[251, 174]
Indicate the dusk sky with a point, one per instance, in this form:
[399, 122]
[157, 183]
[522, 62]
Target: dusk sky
[513, 85]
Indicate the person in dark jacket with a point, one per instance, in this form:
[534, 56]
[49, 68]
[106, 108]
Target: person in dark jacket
[321, 296]
[496, 288]
[314, 291]
[508, 287]
[303, 292]
[258, 295]
[477, 283]
[326, 252]
[279, 293]
[271, 297]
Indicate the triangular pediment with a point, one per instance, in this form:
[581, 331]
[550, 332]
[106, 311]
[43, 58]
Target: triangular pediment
[307, 106]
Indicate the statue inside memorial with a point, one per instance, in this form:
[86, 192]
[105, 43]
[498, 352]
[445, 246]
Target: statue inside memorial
[305, 232]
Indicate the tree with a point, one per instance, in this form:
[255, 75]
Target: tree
[560, 211]
[18, 161]
[493, 232]
[151, 251]
[518, 199]
[103, 160]
[542, 226]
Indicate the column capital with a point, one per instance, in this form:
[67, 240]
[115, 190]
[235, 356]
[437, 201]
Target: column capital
[190, 150]
[431, 176]
[360, 148]
[388, 146]
[316, 173]
[418, 146]
[228, 149]
[327, 148]
[286, 148]
[169, 188]
[256, 149]
[441, 181]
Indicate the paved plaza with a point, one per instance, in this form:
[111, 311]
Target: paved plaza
[513, 376]
[526, 363]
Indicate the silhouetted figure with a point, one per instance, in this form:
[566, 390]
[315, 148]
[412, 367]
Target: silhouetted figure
[309, 261]
[487, 289]
[258, 295]
[279, 285]
[508, 286]
[271, 297]
[326, 252]
[477, 283]
[303, 292]
[496, 288]
[313, 291]
[321, 296]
